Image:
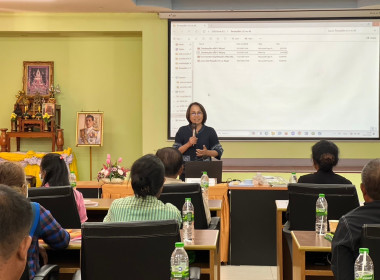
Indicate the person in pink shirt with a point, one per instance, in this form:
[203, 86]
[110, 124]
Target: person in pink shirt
[54, 173]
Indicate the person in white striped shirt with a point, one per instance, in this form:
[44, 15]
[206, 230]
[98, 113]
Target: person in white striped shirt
[147, 179]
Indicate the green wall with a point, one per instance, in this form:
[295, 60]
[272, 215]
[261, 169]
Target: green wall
[115, 63]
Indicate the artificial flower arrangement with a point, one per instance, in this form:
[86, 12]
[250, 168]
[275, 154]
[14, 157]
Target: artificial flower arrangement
[13, 117]
[46, 117]
[112, 172]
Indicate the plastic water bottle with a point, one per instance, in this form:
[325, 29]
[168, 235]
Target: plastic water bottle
[205, 185]
[179, 263]
[321, 215]
[363, 268]
[293, 178]
[188, 220]
[73, 179]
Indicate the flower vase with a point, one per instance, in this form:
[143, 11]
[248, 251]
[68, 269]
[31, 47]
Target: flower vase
[46, 127]
[14, 126]
[112, 181]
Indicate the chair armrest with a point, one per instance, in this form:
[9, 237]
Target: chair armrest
[48, 271]
[215, 223]
[77, 275]
[195, 273]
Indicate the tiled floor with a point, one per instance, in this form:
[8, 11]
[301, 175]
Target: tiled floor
[235, 272]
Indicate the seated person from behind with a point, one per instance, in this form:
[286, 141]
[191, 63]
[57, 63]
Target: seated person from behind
[346, 241]
[173, 162]
[147, 179]
[325, 156]
[54, 173]
[48, 228]
[15, 221]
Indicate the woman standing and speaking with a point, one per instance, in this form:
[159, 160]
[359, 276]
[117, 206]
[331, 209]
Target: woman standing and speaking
[196, 141]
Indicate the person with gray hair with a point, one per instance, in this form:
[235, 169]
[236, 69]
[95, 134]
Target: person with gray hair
[15, 221]
[346, 241]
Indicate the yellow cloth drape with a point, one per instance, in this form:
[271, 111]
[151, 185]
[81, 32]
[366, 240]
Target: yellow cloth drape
[34, 169]
[219, 192]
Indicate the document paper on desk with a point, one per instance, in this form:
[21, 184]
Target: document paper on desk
[88, 202]
[211, 181]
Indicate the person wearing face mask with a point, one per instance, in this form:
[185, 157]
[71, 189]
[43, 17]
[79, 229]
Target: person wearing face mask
[196, 141]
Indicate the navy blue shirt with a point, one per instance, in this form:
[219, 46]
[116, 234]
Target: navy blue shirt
[323, 177]
[206, 136]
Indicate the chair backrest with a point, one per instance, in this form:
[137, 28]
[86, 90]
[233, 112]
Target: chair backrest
[302, 198]
[176, 194]
[194, 169]
[60, 201]
[371, 239]
[128, 250]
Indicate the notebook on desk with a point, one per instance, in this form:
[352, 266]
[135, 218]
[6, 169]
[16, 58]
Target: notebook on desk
[194, 169]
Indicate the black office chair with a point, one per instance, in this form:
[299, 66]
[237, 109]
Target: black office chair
[371, 239]
[302, 198]
[46, 272]
[60, 201]
[127, 250]
[340, 198]
[176, 194]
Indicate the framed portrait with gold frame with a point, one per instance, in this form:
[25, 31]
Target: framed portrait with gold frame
[48, 108]
[38, 78]
[89, 130]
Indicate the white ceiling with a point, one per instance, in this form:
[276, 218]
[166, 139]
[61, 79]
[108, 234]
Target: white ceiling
[125, 6]
[74, 6]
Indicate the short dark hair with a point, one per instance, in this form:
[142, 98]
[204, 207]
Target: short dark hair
[15, 220]
[147, 176]
[202, 109]
[12, 174]
[90, 116]
[326, 154]
[56, 172]
[371, 178]
[172, 160]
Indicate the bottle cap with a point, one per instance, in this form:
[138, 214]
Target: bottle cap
[363, 250]
[205, 172]
[293, 173]
[188, 199]
[179, 244]
[72, 172]
[321, 195]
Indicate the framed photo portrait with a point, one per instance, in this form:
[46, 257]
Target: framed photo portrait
[48, 108]
[89, 129]
[38, 77]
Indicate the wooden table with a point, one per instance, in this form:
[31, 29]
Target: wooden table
[204, 240]
[281, 206]
[42, 134]
[251, 206]
[90, 189]
[309, 241]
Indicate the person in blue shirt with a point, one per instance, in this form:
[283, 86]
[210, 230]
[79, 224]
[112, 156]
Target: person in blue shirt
[15, 221]
[196, 141]
[46, 227]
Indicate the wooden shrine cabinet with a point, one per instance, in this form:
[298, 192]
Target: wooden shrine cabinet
[34, 127]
